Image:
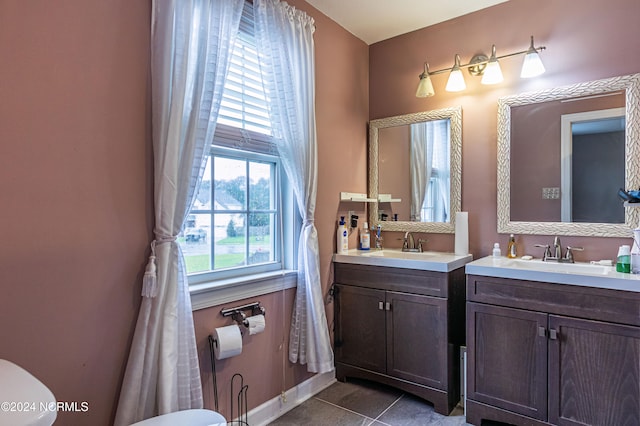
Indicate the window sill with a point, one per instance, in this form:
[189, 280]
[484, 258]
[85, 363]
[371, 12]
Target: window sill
[215, 293]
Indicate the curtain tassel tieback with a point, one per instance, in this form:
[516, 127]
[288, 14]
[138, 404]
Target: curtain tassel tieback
[150, 279]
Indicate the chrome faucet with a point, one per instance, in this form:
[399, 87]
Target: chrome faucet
[409, 243]
[557, 252]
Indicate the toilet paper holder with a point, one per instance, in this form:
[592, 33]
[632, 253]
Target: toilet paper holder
[239, 316]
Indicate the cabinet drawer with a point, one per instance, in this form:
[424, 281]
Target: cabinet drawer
[584, 302]
[426, 283]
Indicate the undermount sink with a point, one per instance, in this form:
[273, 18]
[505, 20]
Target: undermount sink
[583, 274]
[396, 258]
[399, 254]
[560, 268]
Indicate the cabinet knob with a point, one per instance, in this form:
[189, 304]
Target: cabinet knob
[553, 334]
[542, 332]
[387, 306]
[381, 306]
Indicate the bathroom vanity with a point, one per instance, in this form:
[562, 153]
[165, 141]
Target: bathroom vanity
[399, 320]
[552, 343]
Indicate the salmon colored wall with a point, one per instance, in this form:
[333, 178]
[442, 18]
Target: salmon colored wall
[585, 41]
[75, 191]
[342, 112]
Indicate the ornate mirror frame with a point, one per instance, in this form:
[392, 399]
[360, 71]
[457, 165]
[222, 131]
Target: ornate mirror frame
[454, 114]
[631, 85]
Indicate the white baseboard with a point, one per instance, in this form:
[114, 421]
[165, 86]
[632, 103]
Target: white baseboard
[276, 407]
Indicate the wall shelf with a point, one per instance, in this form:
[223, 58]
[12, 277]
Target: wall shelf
[386, 198]
[356, 197]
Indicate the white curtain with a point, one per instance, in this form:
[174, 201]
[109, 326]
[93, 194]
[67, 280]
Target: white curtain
[285, 38]
[420, 165]
[191, 43]
[441, 163]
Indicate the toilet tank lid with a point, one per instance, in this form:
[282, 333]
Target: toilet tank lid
[18, 386]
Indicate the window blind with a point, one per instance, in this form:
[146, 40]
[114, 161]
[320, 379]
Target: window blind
[244, 101]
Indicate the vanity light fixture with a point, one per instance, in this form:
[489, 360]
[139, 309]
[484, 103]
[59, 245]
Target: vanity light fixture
[481, 65]
[492, 73]
[456, 80]
[425, 87]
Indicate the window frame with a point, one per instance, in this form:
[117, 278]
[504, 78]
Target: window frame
[213, 288]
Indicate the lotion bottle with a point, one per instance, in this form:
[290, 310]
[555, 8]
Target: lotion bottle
[365, 237]
[342, 243]
[496, 250]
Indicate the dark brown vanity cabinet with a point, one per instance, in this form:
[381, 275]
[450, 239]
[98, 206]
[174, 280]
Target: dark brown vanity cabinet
[540, 353]
[401, 327]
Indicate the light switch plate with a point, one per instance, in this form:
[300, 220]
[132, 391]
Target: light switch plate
[550, 193]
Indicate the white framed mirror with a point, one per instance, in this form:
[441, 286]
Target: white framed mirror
[563, 153]
[415, 168]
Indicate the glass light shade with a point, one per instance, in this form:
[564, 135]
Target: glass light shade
[492, 73]
[532, 65]
[425, 87]
[456, 81]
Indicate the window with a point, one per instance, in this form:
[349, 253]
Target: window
[235, 227]
[235, 221]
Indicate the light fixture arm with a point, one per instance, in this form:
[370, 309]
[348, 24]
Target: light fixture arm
[481, 60]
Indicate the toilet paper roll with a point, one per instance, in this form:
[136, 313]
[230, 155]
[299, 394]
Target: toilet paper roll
[462, 233]
[256, 324]
[228, 341]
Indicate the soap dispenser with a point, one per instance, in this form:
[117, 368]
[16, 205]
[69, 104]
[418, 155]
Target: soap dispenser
[511, 247]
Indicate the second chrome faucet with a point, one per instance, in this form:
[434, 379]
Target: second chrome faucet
[557, 252]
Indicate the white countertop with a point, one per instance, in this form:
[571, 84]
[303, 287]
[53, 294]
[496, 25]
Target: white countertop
[582, 274]
[426, 261]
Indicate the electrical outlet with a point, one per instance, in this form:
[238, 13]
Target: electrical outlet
[550, 193]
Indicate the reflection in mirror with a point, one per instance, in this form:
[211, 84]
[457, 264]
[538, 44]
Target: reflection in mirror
[423, 149]
[592, 166]
[414, 171]
[562, 156]
[429, 171]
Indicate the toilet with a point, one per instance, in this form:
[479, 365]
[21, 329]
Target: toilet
[196, 417]
[25, 400]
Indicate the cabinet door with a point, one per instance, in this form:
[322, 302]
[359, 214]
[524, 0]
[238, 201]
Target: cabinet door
[507, 359]
[417, 338]
[360, 327]
[594, 374]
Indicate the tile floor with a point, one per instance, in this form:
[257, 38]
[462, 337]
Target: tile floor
[360, 402]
